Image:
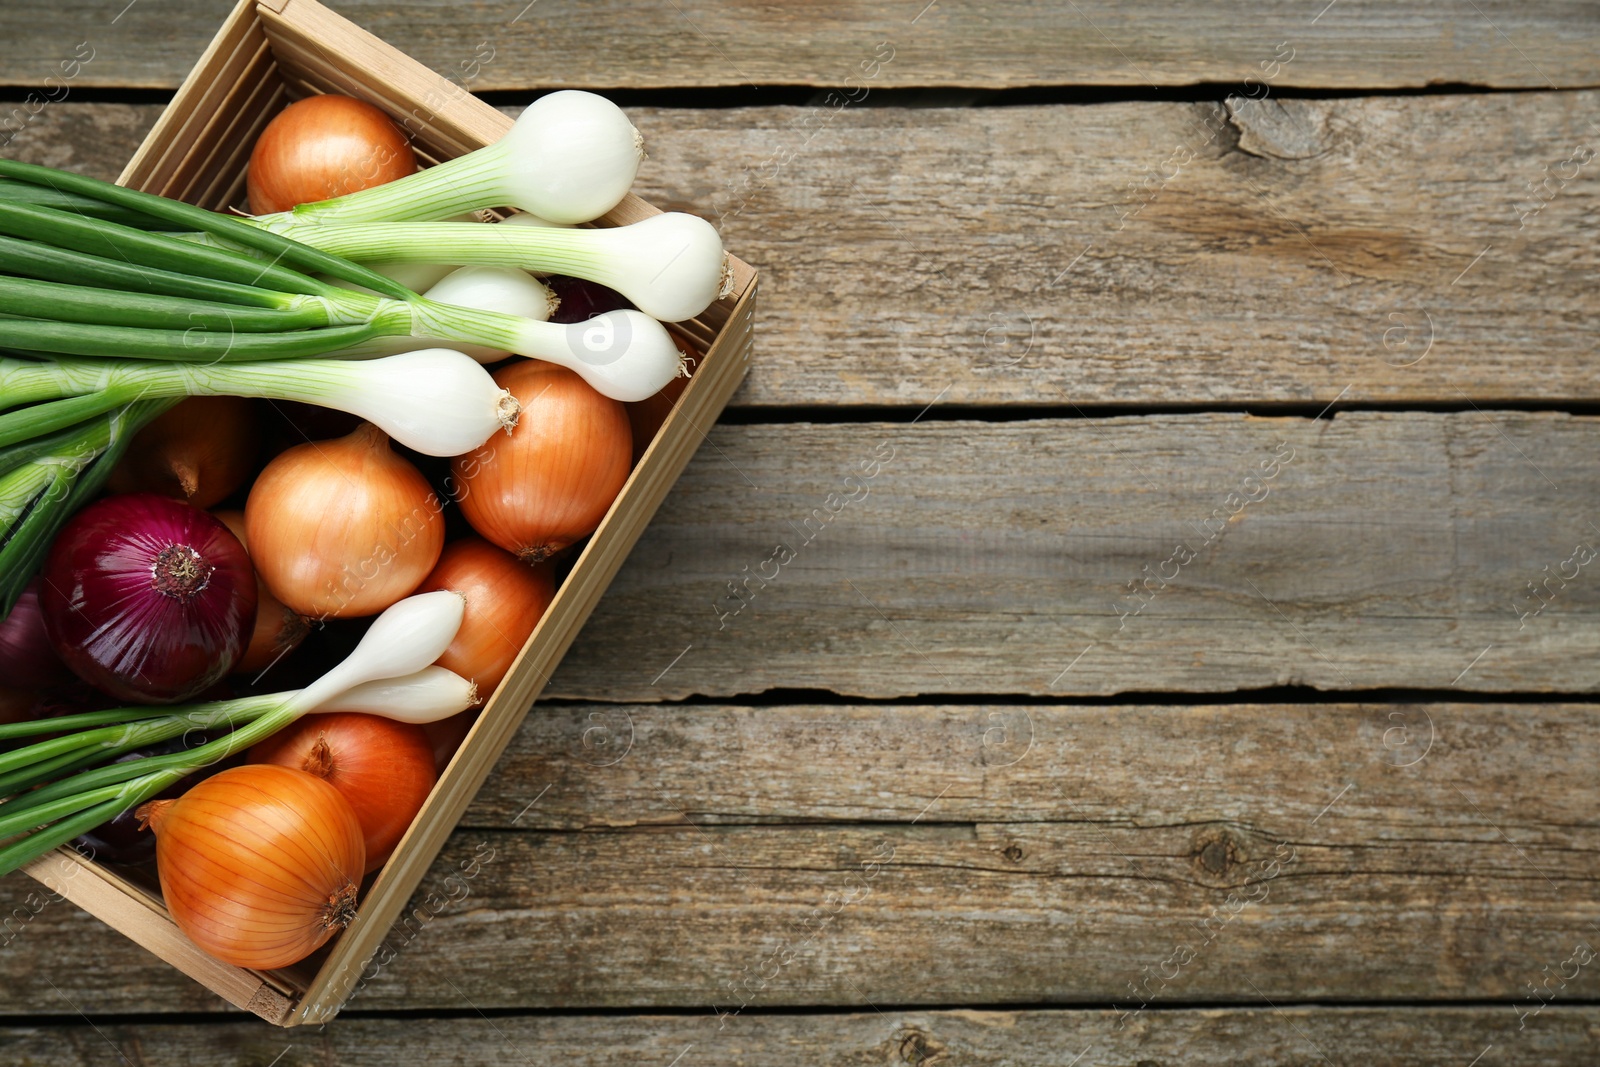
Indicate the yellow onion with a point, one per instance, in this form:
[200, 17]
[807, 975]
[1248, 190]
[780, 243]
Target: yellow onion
[259, 864]
[198, 452]
[322, 147]
[505, 601]
[343, 528]
[384, 769]
[552, 482]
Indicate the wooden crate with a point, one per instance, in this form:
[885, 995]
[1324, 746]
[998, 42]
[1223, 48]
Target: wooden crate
[267, 53]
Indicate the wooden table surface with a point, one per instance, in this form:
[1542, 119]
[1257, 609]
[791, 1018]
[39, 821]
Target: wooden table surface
[1181, 419]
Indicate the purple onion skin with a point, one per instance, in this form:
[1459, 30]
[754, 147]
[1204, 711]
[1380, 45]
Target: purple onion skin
[26, 659]
[582, 300]
[148, 599]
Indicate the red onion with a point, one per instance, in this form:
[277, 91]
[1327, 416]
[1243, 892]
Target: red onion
[148, 598]
[26, 659]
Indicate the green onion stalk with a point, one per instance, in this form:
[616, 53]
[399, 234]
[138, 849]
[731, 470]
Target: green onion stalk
[570, 157]
[247, 309]
[89, 275]
[436, 400]
[672, 266]
[626, 355]
[389, 673]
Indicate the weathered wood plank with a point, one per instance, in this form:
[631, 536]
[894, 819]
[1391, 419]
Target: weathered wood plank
[972, 855]
[1127, 854]
[1236, 1037]
[1156, 253]
[1102, 556]
[637, 44]
[1386, 258]
[93, 139]
[1271, 766]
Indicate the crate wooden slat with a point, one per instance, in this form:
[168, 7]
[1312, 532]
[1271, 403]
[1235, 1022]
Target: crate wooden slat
[266, 52]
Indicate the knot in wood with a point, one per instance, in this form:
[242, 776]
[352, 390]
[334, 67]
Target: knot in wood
[1013, 853]
[1217, 852]
[918, 1047]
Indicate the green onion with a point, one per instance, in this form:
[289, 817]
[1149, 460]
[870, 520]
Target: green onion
[33, 259]
[37, 299]
[47, 196]
[626, 355]
[187, 217]
[197, 345]
[437, 401]
[670, 266]
[53, 228]
[425, 696]
[570, 157]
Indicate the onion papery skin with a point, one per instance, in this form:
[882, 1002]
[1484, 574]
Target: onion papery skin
[259, 865]
[505, 597]
[278, 631]
[147, 598]
[344, 528]
[552, 482]
[200, 451]
[27, 661]
[383, 768]
[322, 147]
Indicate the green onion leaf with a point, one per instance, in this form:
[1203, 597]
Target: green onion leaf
[188, 217]
[36, 259]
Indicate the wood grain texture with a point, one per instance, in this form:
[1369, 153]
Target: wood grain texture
[93, 139]
[694, 856]
[713, 857]
[1232, 1037]
[637, 44]
[1370, 249]
[1275, 767]
[1142, 253]
[1101, 556]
